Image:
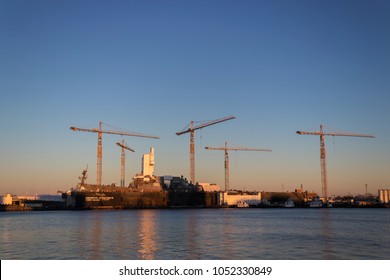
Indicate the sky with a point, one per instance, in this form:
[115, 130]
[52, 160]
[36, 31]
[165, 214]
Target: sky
[153, 66]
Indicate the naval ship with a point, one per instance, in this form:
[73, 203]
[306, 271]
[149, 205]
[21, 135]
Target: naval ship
[145, 191]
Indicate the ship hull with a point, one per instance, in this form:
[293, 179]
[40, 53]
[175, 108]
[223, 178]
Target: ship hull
[141, 200]
[118, 200]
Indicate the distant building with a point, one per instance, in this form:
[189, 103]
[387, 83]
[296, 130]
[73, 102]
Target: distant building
[11, 202]
[234, 199]
[207, 187]
[6, 200]
[384, 195]
[148, 163]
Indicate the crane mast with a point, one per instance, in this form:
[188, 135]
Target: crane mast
[226, 149]
[322, 134]
[99, 149]
[123, 146]
[191, 130]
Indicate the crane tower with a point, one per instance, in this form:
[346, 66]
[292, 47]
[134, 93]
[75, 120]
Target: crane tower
[99, 152]
[226, 149]
[191, 130]
[322, 135]
[124, 146]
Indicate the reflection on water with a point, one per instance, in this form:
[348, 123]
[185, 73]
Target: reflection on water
[5, 237]
[147, 232]
[326, 234]
[120, 248]
[197, 234]
[227, 235]
[192, 235]
[96, 236]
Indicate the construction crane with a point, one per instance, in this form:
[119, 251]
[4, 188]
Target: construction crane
[226, 149]
[100, 132]
[322, 135]
[191, 130]
[124, 146]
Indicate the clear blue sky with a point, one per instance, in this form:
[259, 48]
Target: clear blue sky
[153, 66]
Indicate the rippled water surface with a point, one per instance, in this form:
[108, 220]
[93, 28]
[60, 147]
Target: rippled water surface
[197, 234]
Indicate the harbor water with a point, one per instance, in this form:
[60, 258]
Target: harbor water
[301, 234]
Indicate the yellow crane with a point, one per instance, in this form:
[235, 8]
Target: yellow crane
[226, 149]
[191, 130]
[100, 132]
[124, 146]
[322, 135]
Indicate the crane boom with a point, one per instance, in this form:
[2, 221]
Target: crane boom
[238, 149]
[125, 147]
[335, 134]
[322, 135]
[191, 130]
[118, 132]
[227, 149]
[99, 152]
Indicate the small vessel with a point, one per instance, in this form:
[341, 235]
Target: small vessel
[329, 205]
[289, 203]
[242, 204]
[315, 203]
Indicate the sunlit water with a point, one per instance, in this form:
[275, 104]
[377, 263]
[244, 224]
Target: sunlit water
[197, 234]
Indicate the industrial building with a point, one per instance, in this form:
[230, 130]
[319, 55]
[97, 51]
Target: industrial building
[384, 195]
[232, 199]
[6, 199]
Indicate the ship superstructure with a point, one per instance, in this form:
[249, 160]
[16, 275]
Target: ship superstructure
[145, 191]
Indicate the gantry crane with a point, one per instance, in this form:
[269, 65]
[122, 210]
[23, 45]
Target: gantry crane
[226, 149]
[322, 135]
[124, 146]
[191, 130]
[100, 132]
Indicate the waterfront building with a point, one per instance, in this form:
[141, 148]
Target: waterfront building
[210, 187]
[237, 198]
[6, 199]
[384, 195]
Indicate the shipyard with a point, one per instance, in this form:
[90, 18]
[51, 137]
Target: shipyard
[148, 191]
[237, 138]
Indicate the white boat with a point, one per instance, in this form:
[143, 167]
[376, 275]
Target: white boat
[289, 203]
[315, 203]
[242, 204]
